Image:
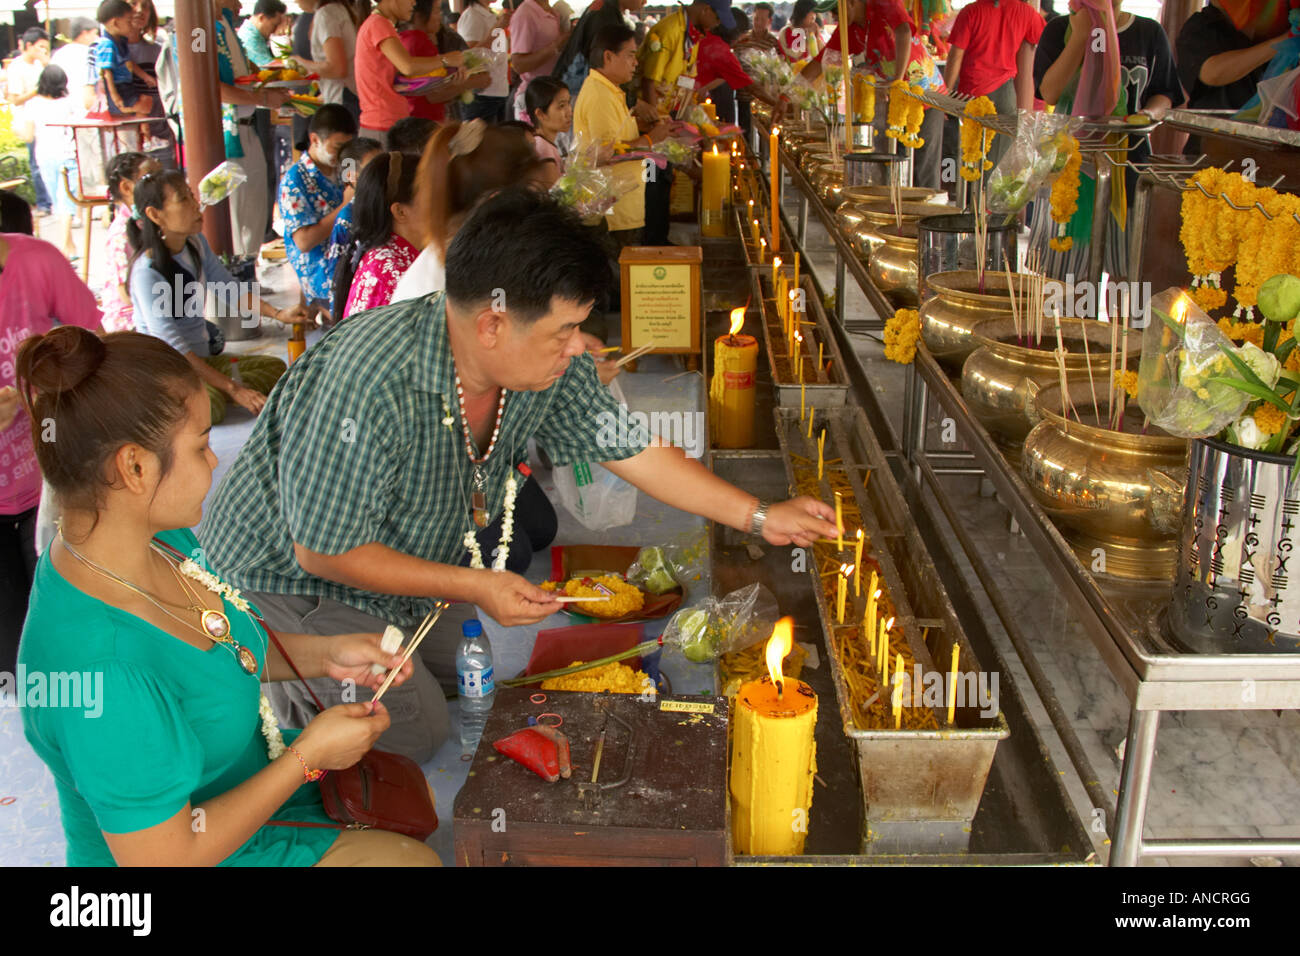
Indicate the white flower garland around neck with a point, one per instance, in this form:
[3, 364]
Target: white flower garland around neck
[470, 540]
[270, 727]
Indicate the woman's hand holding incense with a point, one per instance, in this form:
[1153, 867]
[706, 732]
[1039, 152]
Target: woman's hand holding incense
[349, 656]
[340, 736]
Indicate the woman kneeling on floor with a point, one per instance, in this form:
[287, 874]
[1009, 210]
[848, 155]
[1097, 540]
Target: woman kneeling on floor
[165, 758]
[172, 276]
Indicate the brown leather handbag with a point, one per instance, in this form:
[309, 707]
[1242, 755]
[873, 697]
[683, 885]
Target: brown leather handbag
[383, 791]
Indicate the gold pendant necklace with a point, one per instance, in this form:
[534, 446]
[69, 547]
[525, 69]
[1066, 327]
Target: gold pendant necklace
[219, 622]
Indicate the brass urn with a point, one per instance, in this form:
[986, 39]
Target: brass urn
[957, 305]
[1117, 496]
[868, 236]
[1002, 376]
[893, 265]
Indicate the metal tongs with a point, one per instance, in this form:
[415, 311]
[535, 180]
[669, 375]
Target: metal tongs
[590, 790]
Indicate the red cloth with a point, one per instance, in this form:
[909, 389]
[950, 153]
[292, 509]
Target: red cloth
[715, 60]
[418, 43]
[991, 34]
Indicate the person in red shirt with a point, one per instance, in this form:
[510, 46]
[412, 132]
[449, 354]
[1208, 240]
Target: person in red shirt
[420, 41]
[716, 65]
[882, 32]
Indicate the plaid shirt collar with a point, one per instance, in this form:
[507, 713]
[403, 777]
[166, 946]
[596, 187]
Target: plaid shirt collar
[435, 371]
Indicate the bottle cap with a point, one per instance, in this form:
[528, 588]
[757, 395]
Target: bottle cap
[472, 628]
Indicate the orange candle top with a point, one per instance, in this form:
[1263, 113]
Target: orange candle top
[760, 695]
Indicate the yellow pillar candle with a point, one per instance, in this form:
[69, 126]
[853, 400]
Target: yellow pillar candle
[952, 683]
[774, 160]
[840, 592]
[773, 759]
[873, 595]
[882, 663]
[713, 193]
[857, 563]
[710, 110]
[762, 251]
[776, 271]
[839, 521]
[753, 227]
[731, 393]
[869, 626]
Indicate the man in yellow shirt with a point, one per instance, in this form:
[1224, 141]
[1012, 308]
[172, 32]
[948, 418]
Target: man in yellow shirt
[601, 117]
[667, 53]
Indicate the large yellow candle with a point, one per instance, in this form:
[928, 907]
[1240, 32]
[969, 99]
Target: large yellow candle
[713, 198]
[731, 392]
[710, 110]
[773, 759]
[774, 160]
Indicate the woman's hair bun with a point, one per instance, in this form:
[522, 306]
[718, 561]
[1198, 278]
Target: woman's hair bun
[60, 360]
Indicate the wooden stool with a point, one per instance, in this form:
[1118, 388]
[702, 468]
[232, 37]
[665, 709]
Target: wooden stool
[87, 204]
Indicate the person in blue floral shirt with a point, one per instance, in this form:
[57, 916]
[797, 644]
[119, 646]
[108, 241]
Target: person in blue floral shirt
[311, 195]
[256, 32]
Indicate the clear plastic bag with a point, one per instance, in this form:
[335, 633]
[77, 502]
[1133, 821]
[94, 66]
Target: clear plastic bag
[653, 571]
[593, 494]
[1031, 161]
[717, 626]
[589, 188]
[1183, 353]
[220, 183]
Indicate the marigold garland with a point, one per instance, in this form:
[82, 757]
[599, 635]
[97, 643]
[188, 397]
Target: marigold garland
[902, 331]
[975, 139]
[1065, 196]
[906, 113]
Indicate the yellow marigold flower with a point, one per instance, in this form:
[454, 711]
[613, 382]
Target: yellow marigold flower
[1270, 419]
[1203, 393]
[902, 330]
[1127, 381]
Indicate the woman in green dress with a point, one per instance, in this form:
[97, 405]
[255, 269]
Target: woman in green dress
[164, 757]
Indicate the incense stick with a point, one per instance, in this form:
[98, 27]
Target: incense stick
[426, 626]
[1123, 372]
[1015, 311]
[634, 354]
[1110, 382]
[574, 600]
[1087, 357]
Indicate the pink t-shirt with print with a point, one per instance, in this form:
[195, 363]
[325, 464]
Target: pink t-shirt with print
[39, 290]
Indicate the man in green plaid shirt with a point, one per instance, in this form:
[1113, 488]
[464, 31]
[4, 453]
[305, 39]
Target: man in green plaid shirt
[351, 505]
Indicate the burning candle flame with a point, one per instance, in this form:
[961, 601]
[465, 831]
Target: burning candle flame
[737, 319]
[847, 569]
[715, 149]
[778, 646]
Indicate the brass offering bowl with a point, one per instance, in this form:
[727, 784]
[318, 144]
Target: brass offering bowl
[814, 157]
[1001, 377]
[906, 193]
[950, 315]
[868, 236]
[893, 265]
[1116, 496]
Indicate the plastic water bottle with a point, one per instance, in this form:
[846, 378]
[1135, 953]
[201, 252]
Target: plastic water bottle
[477, 686]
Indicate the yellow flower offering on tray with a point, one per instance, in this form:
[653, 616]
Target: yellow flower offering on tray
[613, 678]
[624, 598]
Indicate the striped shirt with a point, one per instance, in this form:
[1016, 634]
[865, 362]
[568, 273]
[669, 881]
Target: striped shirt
[361, 441]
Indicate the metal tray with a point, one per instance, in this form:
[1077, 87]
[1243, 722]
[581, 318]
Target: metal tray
[920, 788]
[788, 392]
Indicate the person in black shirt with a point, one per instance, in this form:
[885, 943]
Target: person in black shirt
[572, 65]
[1220, 66]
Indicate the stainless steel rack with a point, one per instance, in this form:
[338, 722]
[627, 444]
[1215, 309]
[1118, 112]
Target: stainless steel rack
[1117, 617]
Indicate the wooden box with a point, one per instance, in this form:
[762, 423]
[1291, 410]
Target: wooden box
[661, 298]
[672, 810]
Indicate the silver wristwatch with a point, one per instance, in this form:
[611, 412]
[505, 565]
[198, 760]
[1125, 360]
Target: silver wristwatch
[759, 519]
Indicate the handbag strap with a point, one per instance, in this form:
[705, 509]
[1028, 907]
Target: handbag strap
[269, 633]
